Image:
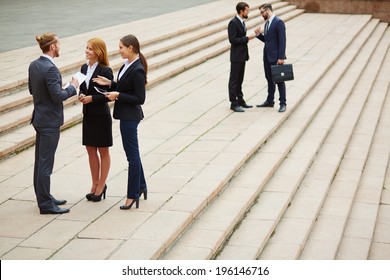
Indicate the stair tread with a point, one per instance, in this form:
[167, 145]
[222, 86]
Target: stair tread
[360, 229]
[272, 162]
[293, 169]
[351, 166]
[189, 160]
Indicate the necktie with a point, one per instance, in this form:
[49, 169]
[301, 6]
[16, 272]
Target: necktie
[243, 24]
[266, 27]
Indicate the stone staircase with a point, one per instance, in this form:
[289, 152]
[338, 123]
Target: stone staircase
[168, 55]
[311, 183]
[293, 198]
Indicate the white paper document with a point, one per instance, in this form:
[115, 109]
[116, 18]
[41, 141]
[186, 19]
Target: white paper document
[99, 90]
[79, 76]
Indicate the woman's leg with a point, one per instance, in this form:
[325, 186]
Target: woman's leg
[105, 163]
[94, 165]
[129, 132]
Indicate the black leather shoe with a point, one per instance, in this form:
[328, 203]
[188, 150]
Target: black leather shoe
[265, 104]
[237, 109]
[244, 105]
[59, 201]
[282, 108]
[54, 210]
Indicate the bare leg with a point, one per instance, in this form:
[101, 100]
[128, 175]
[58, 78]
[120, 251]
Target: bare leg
[94, 165]
[105, 163]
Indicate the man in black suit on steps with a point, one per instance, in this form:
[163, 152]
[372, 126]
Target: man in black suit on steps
[238, 56]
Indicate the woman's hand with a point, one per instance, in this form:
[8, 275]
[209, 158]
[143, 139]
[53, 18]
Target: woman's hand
[112, 95]
[103, 81]
[85, 99]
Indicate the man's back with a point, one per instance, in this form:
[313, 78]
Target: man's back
[45, 85]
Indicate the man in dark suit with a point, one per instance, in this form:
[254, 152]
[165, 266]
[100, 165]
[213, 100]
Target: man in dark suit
[274, 38]
[238, 56]
[45, 85]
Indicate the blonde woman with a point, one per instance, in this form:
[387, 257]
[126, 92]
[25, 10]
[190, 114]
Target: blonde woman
[97, 122]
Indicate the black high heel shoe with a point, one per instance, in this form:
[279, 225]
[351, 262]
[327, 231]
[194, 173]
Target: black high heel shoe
[88, 196]
[97, 198]
[145, 192]
[127, 207]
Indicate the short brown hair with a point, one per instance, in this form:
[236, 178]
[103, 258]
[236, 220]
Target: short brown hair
[266, 6]
[241, 6]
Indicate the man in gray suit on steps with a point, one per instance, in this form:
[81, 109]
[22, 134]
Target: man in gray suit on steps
[45, 85]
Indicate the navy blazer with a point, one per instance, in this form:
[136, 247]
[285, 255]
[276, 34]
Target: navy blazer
[45, 85]
[238, 40]
[99, 105]
[131, 88]
[275, 41]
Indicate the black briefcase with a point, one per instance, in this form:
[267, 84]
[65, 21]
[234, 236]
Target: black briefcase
[282, 73]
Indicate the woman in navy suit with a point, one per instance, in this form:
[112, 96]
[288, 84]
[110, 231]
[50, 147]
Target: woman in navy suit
[97, 122]
[129, 94]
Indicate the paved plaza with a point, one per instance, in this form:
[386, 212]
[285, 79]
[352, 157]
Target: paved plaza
[20, 21]
[312, 183]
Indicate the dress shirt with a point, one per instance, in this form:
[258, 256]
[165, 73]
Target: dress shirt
[90, 71]
[127, 65]
[270, 21]
[49, 57]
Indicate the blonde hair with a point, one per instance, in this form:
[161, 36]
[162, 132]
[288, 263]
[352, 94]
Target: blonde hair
[45, 40]
[99, 47]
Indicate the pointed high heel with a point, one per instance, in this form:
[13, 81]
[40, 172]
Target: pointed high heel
[97, 198]
[127, 207]
[145, 192]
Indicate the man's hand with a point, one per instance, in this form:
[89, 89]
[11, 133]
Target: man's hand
[75, 82]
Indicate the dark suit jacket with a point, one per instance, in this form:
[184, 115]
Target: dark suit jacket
[45, 85]
[98, 106]
[131, 88]
[238, 41]
[275, 41]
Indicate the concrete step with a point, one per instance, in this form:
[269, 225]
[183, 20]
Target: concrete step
[365, 235]
[190, 31]
[160, 28]
[276, 196]
[164, 66]
[189, 159]
[192, 146]
[380, 245]
[243, 190]
[305, 208]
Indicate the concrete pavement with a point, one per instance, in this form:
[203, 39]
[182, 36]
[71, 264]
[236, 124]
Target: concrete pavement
[21, 21]
[191, 143]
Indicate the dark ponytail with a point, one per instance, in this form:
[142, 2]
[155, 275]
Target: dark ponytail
[131, 40]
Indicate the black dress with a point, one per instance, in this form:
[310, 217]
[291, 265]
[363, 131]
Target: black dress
[97, 121]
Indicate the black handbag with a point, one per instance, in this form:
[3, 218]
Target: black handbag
[282, 73]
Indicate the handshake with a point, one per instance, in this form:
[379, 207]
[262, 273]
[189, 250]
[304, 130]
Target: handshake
[255, 33]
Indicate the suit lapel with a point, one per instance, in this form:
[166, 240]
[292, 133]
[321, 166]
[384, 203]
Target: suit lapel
[240, 25]
[128, 71]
